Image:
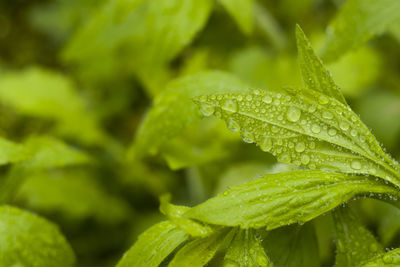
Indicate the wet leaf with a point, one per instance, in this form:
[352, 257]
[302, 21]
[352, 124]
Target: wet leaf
[154, 245]
[29, 240]
[355, 244]
[280, 199]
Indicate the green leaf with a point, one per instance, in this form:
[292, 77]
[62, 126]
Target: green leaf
[356, 22]
[246, 250]
[355, 244]
[315, 75]
[10, 152]
[29, 240]
[40, 153]
[154, 245]
[284, 198]
[293, 246]
[388, 259]
[176, 215]
[305, 128]
[50, 95]
[151, 33]
[75, 195]
[198, 252]
[49, 152]
[242, 12]
[173, 110]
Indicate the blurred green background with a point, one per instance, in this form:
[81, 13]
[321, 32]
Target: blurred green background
[89, 71]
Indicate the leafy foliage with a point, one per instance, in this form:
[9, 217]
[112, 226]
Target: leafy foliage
[27, 239]
[106, 131]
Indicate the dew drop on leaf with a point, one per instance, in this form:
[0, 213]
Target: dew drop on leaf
[316, 128]
[267, 99]
[293, 114]
[300, 147]
[323, 100]
[356, 165]
[344, 125]
[206, 109]
[266, 144]
[230, 105]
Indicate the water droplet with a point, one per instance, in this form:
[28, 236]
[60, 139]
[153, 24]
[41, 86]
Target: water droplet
[233, 125]
[266, 144]
[332, 132]
[300, 147]
[323, 100]
[249, 98]
[293, 114]
[356, 165]
[387, 258]
[316, 128]
[206, 109]
[248, 137]
[344, 125]
[312, 145]
[230, 105]
[267, 99]
[327, 115]
[284, 158]
[312, 109]
[353, 132]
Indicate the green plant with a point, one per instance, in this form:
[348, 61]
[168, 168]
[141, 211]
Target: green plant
[298, 181]
[310, 127]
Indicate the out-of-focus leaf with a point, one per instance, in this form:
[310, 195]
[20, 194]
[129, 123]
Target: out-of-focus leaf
[284, 198]
[357, 22]
[198, 252]
[241, 173]
[388, 259]
[29, 240]
[50, 95]
[150, 34]
[11, 152]
[357, 70]
[242, 12]
[293, 246]
[41, 153]
[380, 111]
[262, 69]
[74, 195]
[355, 244]
[59, 18]
[154, 245]
[246, 250]
[175, 215]
[174, 109]
[49, 152]
[192, 146]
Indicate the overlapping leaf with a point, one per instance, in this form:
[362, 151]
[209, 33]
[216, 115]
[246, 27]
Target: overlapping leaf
[154, 245]
[311, 127]
[176, 215]
[151, 33]
[174, 110]
[50, 95]
[245, 250]
[29, 240]
[355, 244]
[388, 259]
[357, 22]
[198, 252]
[285, 198]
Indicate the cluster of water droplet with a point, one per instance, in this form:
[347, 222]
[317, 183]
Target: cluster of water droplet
[297, 129]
